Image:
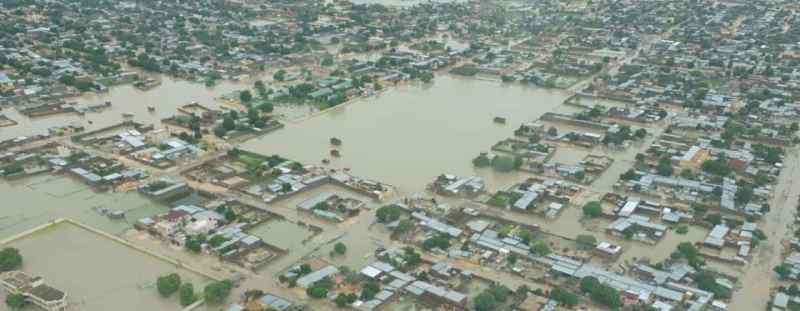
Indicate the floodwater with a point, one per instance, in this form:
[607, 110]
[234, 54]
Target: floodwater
[37, 200]
[98, 274]
[409, 135]
[282, 233]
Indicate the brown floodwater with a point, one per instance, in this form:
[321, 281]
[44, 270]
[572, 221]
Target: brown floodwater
[409, 135]
[97, 273]
[34, 201]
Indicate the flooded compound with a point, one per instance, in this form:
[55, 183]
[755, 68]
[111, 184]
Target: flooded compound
[96, 272]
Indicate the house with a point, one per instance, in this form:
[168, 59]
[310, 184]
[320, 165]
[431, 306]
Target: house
[35, 290]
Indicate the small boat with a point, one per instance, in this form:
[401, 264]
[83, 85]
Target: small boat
[499, 120]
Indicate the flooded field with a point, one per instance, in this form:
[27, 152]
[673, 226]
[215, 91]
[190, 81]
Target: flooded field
[97, 273]
[407, 136]
[37, 200]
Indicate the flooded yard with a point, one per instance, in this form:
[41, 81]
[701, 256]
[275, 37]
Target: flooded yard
[409, 135]
[97, 273]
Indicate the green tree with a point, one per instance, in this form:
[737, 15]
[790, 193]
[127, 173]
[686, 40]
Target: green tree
[593, 209]
[15, 301]
[343, 299]
[606, 295]
[783, 271]
[540, 249]
[245, 96]
[216, 292]
[588, 284]
[564, 296]
[266, 107]
[389, 213]
[485, 302]
[261, 89]
[369, 289]
[552, 131]
[186, 294]
[340, 248]
[280, 75]
[168, 284]
[228, 123]
[664, 167]
[220, 131]
[503, 163]
[10, 259]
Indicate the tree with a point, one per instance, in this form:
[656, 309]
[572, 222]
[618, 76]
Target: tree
[15, 301]
[217, 240]
[503, 163]
[389, 213]
[630, 174]
[195, 243]
[664, 167]
[245, 96]
[261, 89]
[369, 290]
[10, 259]
[707, 281]
[552, 131]
[586, 241]
[266, 107]
[426, 77]
[280, 75]
[783, 271]
[340, 248]
[593, 209]
[186, 294]
[228, 123]
[564, 296]
[318, 292]
[343, 299]
[482, 160]
[217, 292]
[440, 241]
[606, 295]
[485, 302]
[540, 249]
[403, 226]
[168, 284]
[589, 283]
[220, 131]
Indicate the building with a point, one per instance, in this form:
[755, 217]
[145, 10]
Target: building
[35, 290]
[694, 157]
